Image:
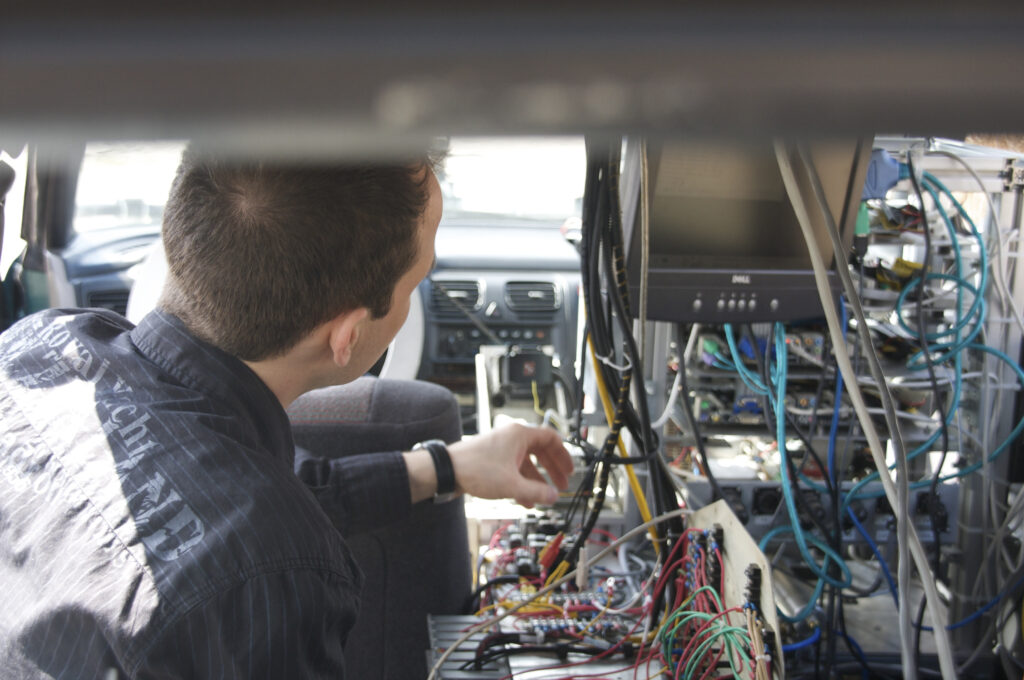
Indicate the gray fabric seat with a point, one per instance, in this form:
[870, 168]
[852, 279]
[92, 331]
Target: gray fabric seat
[418, 566]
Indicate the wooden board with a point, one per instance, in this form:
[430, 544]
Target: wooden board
[738, 552]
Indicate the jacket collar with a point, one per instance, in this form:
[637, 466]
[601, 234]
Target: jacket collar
[164, 340]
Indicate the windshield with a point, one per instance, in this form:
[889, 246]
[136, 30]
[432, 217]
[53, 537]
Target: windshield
[521, 179]
[122, 184]
[532, 180]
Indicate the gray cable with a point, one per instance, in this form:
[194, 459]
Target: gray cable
[902, 508]
[1006, 300]
[1006, 297]
[645, 250]
[677, 381]
[917, 551]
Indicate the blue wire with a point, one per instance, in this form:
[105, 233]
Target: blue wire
[878, 556]
[959, 345]
[977, 305]
[971, 618]
[834, 427]
[748, 378]
[957, 258]
[819, 587]
[978, 614]
[787, 492]
[975, 314]
[786, 649]
[855, 492]
[724, 360]
[857, 648]
[929, 178]
[918, 362]
[973, 467]
[1013, 433]
[957, 386]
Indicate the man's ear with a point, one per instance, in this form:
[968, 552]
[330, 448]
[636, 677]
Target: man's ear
[343, 334]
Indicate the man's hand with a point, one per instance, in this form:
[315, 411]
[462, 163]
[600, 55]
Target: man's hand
[499, 465]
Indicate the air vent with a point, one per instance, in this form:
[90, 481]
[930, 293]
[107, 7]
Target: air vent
[446, 297]
[532, 297]
[116, 300]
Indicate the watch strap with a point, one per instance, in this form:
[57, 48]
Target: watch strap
[443, 469]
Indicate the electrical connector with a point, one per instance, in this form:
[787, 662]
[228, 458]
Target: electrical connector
[550, 552]
[883, 173]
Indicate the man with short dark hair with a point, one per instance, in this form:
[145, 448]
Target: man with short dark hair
[150, 518]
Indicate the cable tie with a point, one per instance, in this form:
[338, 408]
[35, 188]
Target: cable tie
[607, 361]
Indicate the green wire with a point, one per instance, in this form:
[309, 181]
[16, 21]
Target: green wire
[735, 637]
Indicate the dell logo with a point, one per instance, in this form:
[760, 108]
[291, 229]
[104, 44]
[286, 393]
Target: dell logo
[741, 278]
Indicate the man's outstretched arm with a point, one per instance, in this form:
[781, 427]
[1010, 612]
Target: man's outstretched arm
[498, 464]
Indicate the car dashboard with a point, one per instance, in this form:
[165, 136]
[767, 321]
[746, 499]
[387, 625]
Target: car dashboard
[515, 285]
[496, 282]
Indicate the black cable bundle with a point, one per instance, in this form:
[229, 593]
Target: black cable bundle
[610, 332]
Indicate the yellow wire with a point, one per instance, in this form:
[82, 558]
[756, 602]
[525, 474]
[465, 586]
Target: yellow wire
[552, 416]
[535, 608]
[634, 483]
[536, 398]
[530, 609]
[481, 612]
[604, 610]
[558, 572]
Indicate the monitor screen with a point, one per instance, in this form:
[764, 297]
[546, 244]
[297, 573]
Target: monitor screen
[723, 233]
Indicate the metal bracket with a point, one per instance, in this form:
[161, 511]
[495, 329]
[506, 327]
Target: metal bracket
[1016, 178]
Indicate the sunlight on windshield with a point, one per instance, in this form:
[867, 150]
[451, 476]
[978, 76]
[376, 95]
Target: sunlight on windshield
[525, 179]
[123, 184]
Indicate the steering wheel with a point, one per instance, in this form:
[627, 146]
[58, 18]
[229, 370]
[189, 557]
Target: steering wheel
[402, 360]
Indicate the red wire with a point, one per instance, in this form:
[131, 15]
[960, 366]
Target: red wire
[610, 650]
[707, 624]
[671, 565]
[714, 664]
[496, 536]
[607, 534]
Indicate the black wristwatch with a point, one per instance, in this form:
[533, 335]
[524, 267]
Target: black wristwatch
[442, 468]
